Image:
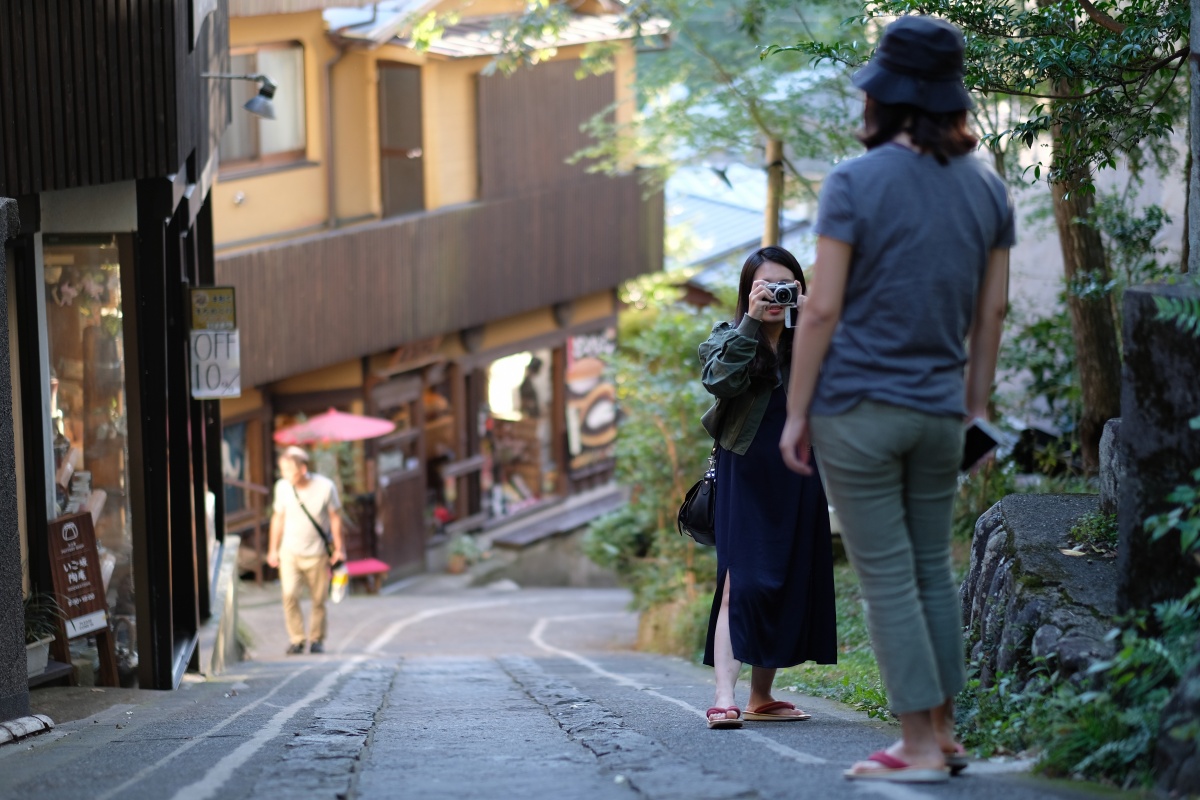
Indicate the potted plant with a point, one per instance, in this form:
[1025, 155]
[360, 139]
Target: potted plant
[41, 626]
[462, 553]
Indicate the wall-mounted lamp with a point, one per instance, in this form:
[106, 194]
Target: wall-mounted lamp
[260, 104]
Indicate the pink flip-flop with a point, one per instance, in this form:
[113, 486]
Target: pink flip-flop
[763, 713]
[724, 722]
[896, 771]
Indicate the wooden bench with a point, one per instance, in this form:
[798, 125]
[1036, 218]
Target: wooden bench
[372, 570]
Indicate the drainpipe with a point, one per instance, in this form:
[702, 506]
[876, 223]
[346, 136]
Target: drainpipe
[335, 37]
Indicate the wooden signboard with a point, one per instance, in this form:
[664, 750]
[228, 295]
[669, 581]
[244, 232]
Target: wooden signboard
[79, 590]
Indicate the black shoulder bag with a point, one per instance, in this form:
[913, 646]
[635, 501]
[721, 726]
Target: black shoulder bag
[320, 531]
[698, 513]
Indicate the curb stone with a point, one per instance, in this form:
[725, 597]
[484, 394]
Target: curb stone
[14, 729]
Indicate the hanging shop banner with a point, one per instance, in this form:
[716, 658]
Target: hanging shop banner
[215, 348]
[75, 572]
[591, 400]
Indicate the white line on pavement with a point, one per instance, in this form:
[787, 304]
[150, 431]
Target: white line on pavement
[197, 740]
[536, 636]
[220, 773]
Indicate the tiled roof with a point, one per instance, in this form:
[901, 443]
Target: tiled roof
[474, 36]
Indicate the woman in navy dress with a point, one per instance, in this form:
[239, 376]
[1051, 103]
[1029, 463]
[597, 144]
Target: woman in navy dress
[774, 602]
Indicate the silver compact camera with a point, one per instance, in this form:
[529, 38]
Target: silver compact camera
[784, 293]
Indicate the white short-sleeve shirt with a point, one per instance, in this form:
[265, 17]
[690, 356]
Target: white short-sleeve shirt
[320, 497]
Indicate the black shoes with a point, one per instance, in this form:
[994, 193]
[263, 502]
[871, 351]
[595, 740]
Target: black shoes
[316, 647]
[295, 649]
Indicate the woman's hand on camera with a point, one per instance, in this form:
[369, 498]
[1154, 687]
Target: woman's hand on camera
[760, 300]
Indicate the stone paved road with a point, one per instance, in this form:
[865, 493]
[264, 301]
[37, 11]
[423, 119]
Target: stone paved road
[437, 691]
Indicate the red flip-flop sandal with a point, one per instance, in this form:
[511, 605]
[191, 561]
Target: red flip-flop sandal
[763, 713]
[724, 722]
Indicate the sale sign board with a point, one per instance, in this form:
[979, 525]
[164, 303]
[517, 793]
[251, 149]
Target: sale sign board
[75, 571]
[216, 369]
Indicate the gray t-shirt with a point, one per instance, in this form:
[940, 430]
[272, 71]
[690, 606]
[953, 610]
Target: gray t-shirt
[320, 497]
[921, 235]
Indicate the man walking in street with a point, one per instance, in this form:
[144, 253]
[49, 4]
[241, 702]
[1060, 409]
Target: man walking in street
[306, 533]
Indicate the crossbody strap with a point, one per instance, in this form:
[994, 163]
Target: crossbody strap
[304, 508]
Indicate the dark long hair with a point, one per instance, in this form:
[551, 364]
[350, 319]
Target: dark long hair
[943, 136]
[766, 361]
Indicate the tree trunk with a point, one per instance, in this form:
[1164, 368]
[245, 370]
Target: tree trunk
[1192, 258]
[774, 207]
[1097, 357]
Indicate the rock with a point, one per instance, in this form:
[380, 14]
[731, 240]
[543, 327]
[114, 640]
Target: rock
[1177, 759]
[1023, 599]
[1159, 450]
[1112, 468]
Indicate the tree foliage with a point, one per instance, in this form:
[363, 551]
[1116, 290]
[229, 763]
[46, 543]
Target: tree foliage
[1106, 76]
[708, 98]
[662, 447]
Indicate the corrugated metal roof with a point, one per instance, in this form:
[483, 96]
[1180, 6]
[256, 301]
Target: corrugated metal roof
[474, 36]
[262, 8]
[376, 23]
[719, 216]
[478, 36]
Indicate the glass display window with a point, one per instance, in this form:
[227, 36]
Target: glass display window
[89, 452]
[518, 441]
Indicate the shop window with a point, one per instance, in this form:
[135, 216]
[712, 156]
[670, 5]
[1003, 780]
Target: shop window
[251, 141]
[522, 470]
[591, 404]
[86, 348]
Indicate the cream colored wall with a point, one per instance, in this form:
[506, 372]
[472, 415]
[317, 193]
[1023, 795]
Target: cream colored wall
[292, 200]
[356, 136]
[449, 129]
[278, 202]
[514, 329]
[346, 375]
[593, 306]
[250, 400]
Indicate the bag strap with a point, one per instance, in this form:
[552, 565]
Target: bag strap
[320, 531]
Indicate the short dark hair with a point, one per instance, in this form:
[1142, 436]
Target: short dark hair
[944, 136]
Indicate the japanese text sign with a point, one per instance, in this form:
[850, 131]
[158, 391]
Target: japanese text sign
[75, 571]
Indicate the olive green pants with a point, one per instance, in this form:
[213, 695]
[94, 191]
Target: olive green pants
[891, 474]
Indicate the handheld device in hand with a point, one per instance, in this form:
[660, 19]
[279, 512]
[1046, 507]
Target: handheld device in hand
[980, 439]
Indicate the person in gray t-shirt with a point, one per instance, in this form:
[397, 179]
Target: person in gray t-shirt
[909, 291]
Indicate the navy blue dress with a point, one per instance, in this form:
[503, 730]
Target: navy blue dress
[774, 545]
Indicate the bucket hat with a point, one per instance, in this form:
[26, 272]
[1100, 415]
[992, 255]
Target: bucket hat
[919, 62]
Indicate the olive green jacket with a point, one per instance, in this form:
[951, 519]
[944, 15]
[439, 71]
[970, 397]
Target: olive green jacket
[726, 355]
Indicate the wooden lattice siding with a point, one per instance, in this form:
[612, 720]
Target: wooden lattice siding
[327, 298]
[106, 90]
[529, 125]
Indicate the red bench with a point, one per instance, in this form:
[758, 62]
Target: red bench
[372, 570]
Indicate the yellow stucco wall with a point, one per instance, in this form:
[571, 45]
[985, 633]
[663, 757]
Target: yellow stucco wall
[295, 198]
[347, 375]
[449, 128]
[251, 400]
[593, 306]
[356, 136]
[255, 207]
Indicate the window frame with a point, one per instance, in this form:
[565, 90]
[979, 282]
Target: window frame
[271, 161]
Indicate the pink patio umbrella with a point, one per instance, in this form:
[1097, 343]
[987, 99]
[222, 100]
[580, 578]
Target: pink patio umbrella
[334, 426]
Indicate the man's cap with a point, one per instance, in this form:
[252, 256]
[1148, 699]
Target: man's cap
[298, 453]
[919, 62]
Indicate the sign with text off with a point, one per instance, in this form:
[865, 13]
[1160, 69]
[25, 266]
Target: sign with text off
[215, 349]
